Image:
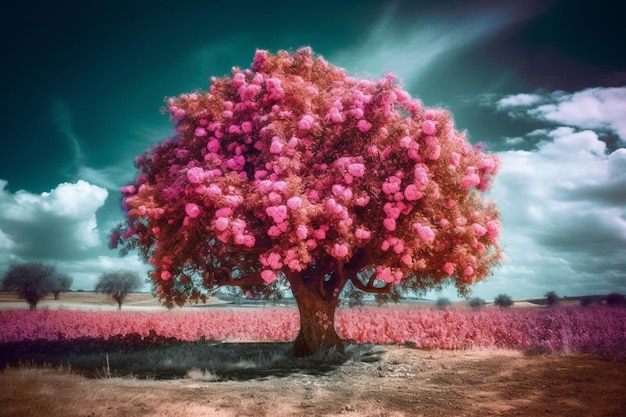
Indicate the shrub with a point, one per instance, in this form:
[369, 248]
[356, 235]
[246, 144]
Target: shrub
[552, 298]
[503, 300]
[615, 299]
[476, 302]
[443, 302]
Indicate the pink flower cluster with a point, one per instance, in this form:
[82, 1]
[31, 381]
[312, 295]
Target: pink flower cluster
[590, 330]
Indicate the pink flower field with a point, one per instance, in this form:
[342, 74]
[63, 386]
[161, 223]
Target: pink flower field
[591, 330]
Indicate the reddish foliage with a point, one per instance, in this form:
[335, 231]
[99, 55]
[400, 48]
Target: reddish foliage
[295, 169]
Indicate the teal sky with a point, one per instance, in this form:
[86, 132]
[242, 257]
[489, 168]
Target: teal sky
[543, 83]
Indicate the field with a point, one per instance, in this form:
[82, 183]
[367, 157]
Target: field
[81, 357]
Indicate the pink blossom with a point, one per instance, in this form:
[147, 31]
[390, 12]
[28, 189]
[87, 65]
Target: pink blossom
[407, 259]
[302, 232]
[424, 232]
[249, 241]
[268, 276]
[448, 268]
[246, 127]
[274, 198]
[280, 186]
[294, 203]
[390, 224]
[411, 193]
[479, 229]
[306, 123]
[339, 250]
[223, 212]
[364, 125]
[272, 260]
[391, 185]
[319, 234]
[221, 224]
[468, 271]
[128, 189]
[362, 201]
[356, 170]
[192, 210]
[166, 275]
[213, 145]
[361, 233]
[200, 132]
[274, 231]
[399, 247]
[420, 172]
[435, 152]
[195, 175]
[493, 229]
[406, 141]
[277, 145]
[428, 127]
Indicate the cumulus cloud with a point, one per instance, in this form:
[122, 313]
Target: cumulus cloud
[564, 216]
[51, 225]
[86, 272]
[518, 100]
[602, 109]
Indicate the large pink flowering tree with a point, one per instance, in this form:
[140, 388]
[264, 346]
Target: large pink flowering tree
[295, 173]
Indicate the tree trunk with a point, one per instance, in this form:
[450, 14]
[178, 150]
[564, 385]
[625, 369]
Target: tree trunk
[317, 319]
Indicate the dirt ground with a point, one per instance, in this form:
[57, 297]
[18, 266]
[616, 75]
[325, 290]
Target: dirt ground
[394, 381]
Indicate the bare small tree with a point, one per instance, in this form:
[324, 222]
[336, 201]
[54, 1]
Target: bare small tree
[118, 284]
[31, 280]
[61, 283]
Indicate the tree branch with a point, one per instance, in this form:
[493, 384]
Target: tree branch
[223, 277]
[369, 287]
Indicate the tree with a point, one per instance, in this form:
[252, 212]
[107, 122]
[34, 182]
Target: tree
[443, 303]
[61, 283]
[293, 173]
[31, 280]
[552, 298]
[503, 300]
[476, 302]
[118, 284]
[615, 299]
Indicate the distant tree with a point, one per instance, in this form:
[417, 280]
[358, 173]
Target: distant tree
[443, 302]
[31, 280]
[118, 284]
[503, 300]
[294, 174]
[586, 301]
[552, 298]
[61, 283]
[615, 299]
[476, 302]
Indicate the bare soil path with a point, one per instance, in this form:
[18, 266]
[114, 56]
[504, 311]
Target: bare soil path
[402, 382]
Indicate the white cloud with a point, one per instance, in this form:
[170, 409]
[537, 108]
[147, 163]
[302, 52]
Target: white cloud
[86, 272]
[57, 224]
[593, 108]
[518, 100]
[564, 218]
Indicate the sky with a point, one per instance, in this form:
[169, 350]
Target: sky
[542, 83]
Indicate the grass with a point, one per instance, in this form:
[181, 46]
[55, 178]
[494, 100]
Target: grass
[202, 360]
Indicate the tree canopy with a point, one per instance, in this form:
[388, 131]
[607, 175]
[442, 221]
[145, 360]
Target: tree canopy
[32, 281]
[294, 172]
[118, 284]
